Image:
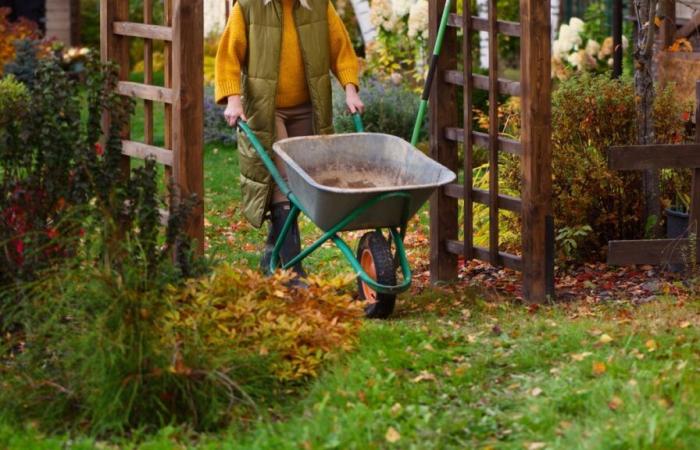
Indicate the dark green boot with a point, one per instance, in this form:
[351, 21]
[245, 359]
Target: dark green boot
[292, 244]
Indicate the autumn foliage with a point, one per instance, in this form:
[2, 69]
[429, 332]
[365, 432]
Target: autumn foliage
[10, 32]
[297, 329]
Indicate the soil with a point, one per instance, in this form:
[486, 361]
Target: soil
[355, 178]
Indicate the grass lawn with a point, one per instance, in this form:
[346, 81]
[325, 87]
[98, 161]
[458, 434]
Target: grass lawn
[453, 369]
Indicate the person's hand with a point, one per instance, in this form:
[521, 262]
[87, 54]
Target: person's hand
[234, 110]
[352, 99]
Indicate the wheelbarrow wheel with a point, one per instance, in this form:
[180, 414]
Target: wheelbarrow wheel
[374, 254]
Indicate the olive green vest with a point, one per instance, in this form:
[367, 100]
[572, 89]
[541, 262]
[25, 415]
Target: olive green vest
[259, 82]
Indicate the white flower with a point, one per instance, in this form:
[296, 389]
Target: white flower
[418, 19]
[84, 51]
[382, 14]
[575, 59]
[401, 7]
[568, 38]
[558, 53]
[577, 25]
[592, 48]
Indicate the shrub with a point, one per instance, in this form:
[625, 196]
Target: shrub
[389, 109]
[245, 312]
[106, 350]
[590, 114]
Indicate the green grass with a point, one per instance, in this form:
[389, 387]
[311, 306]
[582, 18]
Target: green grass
[452, 370]
[472, 374]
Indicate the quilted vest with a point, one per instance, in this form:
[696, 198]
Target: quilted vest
[259, 83]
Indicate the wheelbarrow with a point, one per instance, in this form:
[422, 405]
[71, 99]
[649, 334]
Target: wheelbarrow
[358, 181]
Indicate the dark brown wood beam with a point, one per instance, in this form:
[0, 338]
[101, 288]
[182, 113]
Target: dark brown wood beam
[654, 157]
[654, 252]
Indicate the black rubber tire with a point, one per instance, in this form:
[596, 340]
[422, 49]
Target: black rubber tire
[380, 250]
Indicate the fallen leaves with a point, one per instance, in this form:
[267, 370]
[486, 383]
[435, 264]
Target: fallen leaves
[580, 356]
[424, 376]
[615, 403]
[651, 345]
[392, 436]
[605, 339]
[599, 368]
[536, 392]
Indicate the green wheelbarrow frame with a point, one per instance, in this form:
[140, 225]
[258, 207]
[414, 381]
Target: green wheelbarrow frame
[397, 234]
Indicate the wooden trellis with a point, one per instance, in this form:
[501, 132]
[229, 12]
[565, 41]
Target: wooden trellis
[656, 157]
[182, 93]
[534, 149]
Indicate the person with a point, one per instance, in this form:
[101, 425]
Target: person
[272, 70]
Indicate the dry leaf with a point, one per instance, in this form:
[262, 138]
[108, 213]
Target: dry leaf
[599, 368]
[615, 403]
[685, 324]
[580, 356]
[424, 376]
[535, 445]
[392, 435]
[605, 339]
[536, 392]
[396, 409]
[651, 345]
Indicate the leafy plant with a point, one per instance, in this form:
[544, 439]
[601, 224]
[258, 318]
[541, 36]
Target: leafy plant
[389, 108]
[10, 32]
[568, 240]
[249, 314]
[590, 114]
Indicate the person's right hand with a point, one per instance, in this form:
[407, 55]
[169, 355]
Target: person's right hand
[234, 110]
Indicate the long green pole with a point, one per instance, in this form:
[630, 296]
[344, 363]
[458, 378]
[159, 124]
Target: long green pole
[422, 108]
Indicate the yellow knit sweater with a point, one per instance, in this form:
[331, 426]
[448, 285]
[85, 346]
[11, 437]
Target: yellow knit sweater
[292, 89]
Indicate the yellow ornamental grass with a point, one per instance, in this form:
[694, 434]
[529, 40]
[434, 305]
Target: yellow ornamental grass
[241, 311]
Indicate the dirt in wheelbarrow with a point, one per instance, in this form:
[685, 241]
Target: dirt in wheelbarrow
[355, 178]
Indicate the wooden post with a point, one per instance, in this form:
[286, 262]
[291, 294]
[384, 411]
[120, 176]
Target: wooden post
[695, 189]
[188, 108]
[443, 113]
[617, 38]
[493, 133]
[115, 48]
[535, 64]
[667, 11]
[468, 142]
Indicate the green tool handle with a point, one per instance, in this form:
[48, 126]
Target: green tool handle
[357, 120]
[422, 108]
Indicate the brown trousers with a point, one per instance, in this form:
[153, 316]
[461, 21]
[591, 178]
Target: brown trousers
[290, 122]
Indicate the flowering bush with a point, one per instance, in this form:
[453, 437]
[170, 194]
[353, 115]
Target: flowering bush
[392, 56]
[575, 50]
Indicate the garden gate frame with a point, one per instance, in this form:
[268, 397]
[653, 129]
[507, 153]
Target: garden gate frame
[534, 149]
[182, 94]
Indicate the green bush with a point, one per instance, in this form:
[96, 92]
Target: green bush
[590, 114]
[389, 109]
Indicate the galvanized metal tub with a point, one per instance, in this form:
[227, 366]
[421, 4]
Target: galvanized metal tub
[333, 175]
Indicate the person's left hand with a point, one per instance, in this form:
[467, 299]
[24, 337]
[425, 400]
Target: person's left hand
[352, 99]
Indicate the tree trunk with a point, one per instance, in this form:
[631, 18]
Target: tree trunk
[644, 89]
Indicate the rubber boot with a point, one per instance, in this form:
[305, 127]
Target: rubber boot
[291, 246]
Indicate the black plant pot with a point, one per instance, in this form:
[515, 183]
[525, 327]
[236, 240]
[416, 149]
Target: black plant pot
[676, 224]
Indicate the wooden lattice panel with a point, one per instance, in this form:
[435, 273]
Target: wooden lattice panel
[534, 149]
[181, 95]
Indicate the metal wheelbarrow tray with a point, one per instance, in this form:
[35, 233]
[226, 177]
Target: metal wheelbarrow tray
[332, 176]
[355, 181]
